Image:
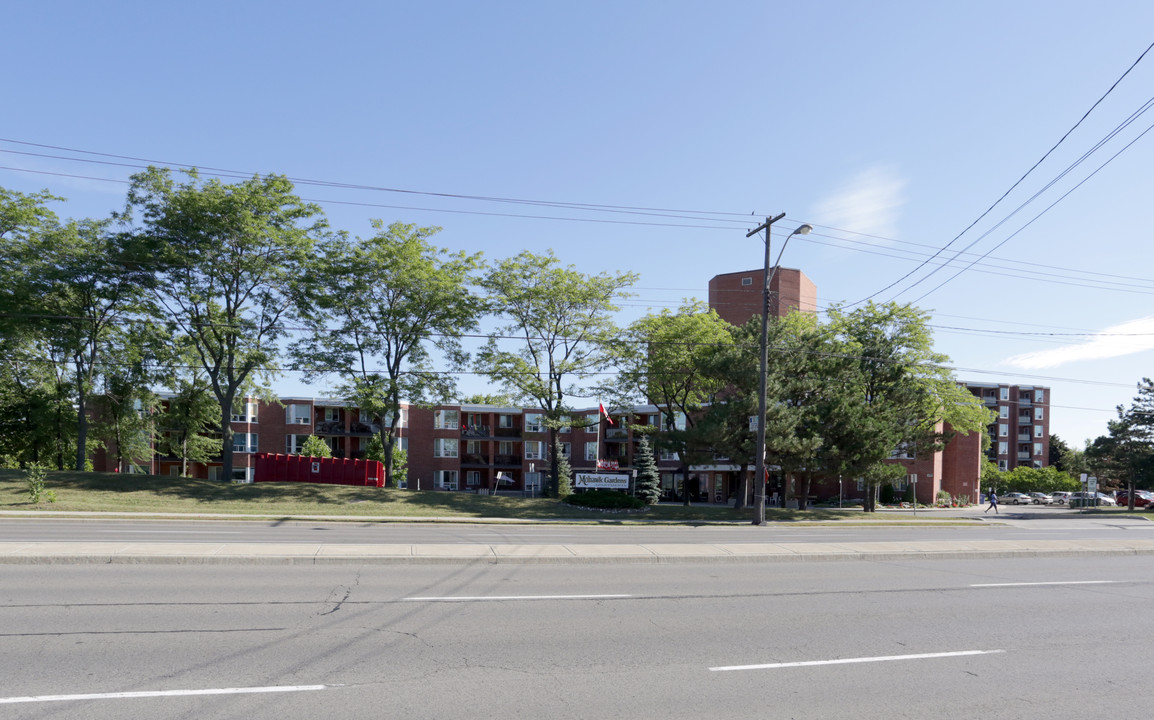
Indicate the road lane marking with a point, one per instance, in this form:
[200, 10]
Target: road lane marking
[1062, 582]
[161, 693]
[848, 661]
[476, 598]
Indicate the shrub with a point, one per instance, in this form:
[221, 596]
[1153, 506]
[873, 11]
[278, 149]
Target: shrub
[605, 500]
[36, 474]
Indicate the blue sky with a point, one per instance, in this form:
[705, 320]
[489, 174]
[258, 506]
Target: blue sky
[890, 127]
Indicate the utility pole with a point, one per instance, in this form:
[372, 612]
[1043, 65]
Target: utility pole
[759, 472]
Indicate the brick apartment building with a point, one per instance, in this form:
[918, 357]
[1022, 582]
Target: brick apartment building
[1020, 434]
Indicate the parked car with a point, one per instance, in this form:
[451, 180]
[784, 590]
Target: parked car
[1015, 498]
[1040, 498]
[1142, 498]
[1082, 499]
[1061, 497]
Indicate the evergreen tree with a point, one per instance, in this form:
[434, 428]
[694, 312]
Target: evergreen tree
[648, 480]
[564, 472]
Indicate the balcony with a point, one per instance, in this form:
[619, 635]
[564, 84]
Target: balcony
[507, 461]
[474, 459]
[1024, 438]
[619, 434]
[507, 432]
[362, 428]
[329, 427]
[1025, 400]
[475, 431]
[990, 400]
[1023, 456]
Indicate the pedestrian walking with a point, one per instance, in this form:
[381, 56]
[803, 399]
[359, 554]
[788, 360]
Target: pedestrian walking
[993, 502]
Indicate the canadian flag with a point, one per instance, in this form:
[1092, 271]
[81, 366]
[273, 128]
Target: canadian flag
[602, 409]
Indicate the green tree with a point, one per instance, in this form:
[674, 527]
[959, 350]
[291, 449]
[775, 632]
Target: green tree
[225, 260]
[563, 319]
[188, 422]
[400, 465]
[648, 486]
[564, 471]
[313, 446]
[897, 391]
[1124, 457]
[378, 308]
[78, 291]
[664, 360]
[34, 395]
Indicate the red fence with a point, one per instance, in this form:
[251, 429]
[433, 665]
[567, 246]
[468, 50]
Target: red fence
[272, 467]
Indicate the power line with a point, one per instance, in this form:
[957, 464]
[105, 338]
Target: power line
[1015, 185]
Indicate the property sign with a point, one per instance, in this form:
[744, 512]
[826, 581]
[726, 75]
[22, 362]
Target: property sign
[618, 481]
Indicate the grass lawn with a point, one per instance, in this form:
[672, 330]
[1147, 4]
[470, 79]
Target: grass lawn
[112, 492]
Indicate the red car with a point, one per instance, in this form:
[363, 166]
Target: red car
[1142, 498]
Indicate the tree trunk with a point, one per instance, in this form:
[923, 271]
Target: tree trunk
[81, 423]
[742, 488]
[226, 440]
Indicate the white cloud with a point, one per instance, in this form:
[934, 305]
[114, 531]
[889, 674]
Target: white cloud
[1127, 338]
[866, 203]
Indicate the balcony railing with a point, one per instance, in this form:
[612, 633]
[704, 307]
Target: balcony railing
[616, 434]
[507, 432]
[507, 461]
[475, 431]
[329, 427]
[1023, 438]
[474, 459]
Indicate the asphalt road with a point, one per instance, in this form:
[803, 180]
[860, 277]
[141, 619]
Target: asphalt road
[1013, 638]
[1047, 523]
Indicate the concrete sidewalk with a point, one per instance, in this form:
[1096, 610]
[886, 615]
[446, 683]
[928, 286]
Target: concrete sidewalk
[404, 554]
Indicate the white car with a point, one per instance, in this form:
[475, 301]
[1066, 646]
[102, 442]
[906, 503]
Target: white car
[1061, 497]
[1041, 498]
[1015, 498]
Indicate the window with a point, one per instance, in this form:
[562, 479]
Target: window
[332, 414]
[593, 423]
[445, 479]
[245, 413]
[1003, 465]
[473, 478]
[1004, 411]
[1038, 431]
[365, 417]
[533, 480]
[294, 443]
[1003, 430]
[678, 422]
[1037, 448]
[1003, 448]
[746, 282]
[1039, 413]
[1039, 396]
[566, 449]
[505, 447]
[298, 415]
[242, 475]
[473, 447]
[1004, 393]
[534, 450]
[668, 455]
[244, 442]
[565, 427]
[533, 423]
[402, 443]
[403, 420]
[504, 421]
[904, 451]
[445, 420]
[590, 451]
[445, 447]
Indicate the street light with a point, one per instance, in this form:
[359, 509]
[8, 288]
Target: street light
[759, 487]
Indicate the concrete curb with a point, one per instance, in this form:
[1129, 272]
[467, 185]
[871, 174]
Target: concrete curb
[311, 554]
